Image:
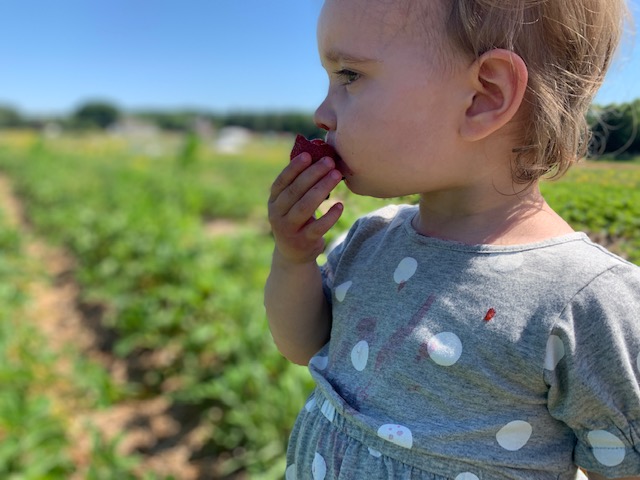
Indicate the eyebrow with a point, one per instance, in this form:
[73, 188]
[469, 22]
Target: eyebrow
[337, 56]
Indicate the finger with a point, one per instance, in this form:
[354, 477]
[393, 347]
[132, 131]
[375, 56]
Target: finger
[305, 206]
[306, 181]
[295, 167]
[322, 225]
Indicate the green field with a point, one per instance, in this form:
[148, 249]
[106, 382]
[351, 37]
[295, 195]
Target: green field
[172, 249]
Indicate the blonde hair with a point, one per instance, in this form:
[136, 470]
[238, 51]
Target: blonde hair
[567, 46]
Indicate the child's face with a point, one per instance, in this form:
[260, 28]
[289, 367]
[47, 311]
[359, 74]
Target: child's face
[389, 110]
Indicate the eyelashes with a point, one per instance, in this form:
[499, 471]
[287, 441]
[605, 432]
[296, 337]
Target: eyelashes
[347, 77]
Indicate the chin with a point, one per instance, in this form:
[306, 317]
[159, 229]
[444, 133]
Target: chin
[364, 190]
[353, 186]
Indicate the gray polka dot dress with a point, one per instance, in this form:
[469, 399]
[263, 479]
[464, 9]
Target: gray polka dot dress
[451, 361]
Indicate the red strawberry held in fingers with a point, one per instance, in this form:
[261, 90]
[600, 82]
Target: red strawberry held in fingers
[316, 148]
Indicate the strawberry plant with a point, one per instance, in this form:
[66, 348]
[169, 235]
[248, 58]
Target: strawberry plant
[185, 307]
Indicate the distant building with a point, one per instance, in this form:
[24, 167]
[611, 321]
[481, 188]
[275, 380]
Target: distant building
[232, 139]
[129, 127]
[142, 137]
[52, 130]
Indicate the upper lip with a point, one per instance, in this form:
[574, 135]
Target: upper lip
[328, 140]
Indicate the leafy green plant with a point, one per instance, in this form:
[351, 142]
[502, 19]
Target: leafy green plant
[604, 202]
[32, 438]
[171, 292]
[34, 441]
[187, 307]
[108, 464]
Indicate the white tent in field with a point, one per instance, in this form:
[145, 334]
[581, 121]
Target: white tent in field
[232, 139]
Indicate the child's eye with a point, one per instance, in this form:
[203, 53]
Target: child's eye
[347, 77]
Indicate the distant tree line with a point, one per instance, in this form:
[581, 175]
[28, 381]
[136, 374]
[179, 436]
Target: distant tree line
[101, 115]
[293, 122]
[615, 128]
[92, 115]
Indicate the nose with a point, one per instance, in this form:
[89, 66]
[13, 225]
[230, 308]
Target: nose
[325, 117]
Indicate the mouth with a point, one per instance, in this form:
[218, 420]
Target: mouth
[318, 149]
[341, 165]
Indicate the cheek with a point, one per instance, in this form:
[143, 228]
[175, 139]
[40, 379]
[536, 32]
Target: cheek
[370, 138]
[389, 122]
[408, 106]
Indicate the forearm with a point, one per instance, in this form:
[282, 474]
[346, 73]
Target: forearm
[299, 315]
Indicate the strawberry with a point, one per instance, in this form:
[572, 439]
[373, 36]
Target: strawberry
[316, 148]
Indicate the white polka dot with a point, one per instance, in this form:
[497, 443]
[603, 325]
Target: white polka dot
[503, 263]
[360, 355]
[467, 476]
[445, 348]
[319, 467]
[341, 290]
[290, 473]
[406, 269]
[374, 453]
[319, 362]
[555, 352]
[328, 410]
[310, 405]
[607, 448]
[514, 435]
[396, 434]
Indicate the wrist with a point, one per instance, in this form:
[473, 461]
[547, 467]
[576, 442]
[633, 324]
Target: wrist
[286, 262]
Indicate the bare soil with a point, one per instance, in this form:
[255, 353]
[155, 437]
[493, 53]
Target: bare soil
[164, 434]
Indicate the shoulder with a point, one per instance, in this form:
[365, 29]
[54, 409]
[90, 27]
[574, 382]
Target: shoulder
[368, 233]
[379, 221]
[599, 273]
[607, 298]
[389, 216]
[583, 264]
[614, 289]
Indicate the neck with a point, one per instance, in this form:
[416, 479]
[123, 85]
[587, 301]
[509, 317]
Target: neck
[489, 217]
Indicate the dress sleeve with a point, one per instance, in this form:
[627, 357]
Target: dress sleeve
[592, 367]
[328, 271]
[333, 254]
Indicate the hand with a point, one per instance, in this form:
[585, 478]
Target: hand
[295, 196]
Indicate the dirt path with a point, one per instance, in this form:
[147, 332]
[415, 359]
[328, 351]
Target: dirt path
[151, 427]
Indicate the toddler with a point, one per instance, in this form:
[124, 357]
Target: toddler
[475, 335]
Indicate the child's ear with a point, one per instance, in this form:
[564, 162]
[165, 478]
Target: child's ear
[498, 85]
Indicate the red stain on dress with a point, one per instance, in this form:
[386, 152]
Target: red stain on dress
[490, 314]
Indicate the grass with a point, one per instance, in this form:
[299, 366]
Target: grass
[135, 214]
[603, 200]
[36, 402]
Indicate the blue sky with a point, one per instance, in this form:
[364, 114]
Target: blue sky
[215, 55]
